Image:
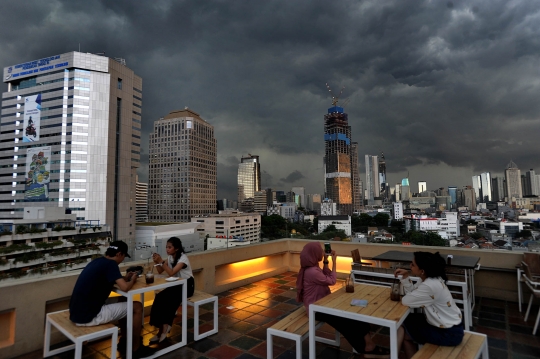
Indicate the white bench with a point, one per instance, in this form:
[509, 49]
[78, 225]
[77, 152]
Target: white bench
[78, 335]
[196, 300]
[472, 346]
[295, 327]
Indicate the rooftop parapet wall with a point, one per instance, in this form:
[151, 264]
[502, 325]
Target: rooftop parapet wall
[215, 271]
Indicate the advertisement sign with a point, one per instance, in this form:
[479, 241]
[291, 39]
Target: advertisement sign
[32, 118]
[37, 174]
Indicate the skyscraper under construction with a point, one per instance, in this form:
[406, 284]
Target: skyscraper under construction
[340, 171]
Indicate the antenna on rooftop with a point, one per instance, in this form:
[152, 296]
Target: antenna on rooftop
[335, 99]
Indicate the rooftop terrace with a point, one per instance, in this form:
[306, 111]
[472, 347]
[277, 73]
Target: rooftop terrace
[250, 300]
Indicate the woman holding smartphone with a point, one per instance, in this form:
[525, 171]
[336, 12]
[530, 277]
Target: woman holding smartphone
[313, 284]
[168, 300]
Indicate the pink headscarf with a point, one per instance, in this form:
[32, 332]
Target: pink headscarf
[309, 257]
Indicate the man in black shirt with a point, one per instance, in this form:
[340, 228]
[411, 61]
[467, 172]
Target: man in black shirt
[87, 305]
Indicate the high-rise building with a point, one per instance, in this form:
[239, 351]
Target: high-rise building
[485, 187]
[300, 191]
[513, 181]
[397, 192]
[71, 132]
[182, 172]
[141, 201]
[372, 178]
[249, 181]
[530, 183]
[356, 182]
[452, 192]
[382, 177]
[422, 186]
[476, 185]
[469, 197]
[262, 200]
[314, 202]
[405, 189]
[337, 159]
[498, 187]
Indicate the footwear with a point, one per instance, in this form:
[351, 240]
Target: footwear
[377, 353]
[158, 339]
[164, 335]
[154, 339]
[143, 352]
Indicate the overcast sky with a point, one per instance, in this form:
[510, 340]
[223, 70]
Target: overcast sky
[446, 89]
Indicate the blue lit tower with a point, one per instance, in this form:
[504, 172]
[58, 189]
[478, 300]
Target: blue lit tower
[337, 160]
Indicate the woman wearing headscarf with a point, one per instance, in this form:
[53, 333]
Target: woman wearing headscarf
[313, 284]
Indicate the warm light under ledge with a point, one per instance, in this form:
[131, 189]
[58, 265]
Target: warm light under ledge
[249, 263]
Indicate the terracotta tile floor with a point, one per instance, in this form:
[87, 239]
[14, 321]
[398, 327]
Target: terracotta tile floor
[245, 313]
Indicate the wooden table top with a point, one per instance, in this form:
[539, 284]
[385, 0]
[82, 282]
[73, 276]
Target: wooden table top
[378, 297]
[467, 262]
[141, 286]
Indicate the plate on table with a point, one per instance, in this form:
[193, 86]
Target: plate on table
[171, 279]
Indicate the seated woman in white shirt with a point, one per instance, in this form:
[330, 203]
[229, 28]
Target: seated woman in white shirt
[441, 322]
[168, 300]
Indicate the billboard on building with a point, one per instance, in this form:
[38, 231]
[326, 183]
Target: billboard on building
[37, 175]
[32, 118]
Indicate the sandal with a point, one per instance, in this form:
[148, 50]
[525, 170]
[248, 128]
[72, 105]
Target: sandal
[377, 353]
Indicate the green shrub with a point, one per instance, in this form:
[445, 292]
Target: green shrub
[15, 248]
[27, 257]
[47, 245]
[20, 229]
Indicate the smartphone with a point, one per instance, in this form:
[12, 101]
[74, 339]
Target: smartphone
[359, 302]
[327, 248]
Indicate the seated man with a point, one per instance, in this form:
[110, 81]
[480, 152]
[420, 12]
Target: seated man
[87, 305]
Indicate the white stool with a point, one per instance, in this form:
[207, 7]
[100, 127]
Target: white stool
[78, 335]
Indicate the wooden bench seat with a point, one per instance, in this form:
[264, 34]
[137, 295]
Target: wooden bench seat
[78, 335]
[196, 300]
[295, 327]
[472, 346]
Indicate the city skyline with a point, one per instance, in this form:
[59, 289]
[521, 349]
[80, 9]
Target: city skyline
[449, 98]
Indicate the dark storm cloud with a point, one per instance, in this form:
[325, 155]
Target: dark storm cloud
[431, 83]
[293, 177]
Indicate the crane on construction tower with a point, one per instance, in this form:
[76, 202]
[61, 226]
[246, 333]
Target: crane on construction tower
[335, 99]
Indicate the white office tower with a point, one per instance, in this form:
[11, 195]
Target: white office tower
[397, 192]
[422, 186]
[71, 132]
[398, 211]
[372, 178]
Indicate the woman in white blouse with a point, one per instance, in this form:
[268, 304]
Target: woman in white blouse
[168, 300]
[441, 322]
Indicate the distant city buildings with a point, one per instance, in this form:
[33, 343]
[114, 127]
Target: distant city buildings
[141, 201]
[249, 181]
[182, 172]
[383, 190]
[341, 222]
[357, 202]
[372, 178]
[230, 223]
[300, 192]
